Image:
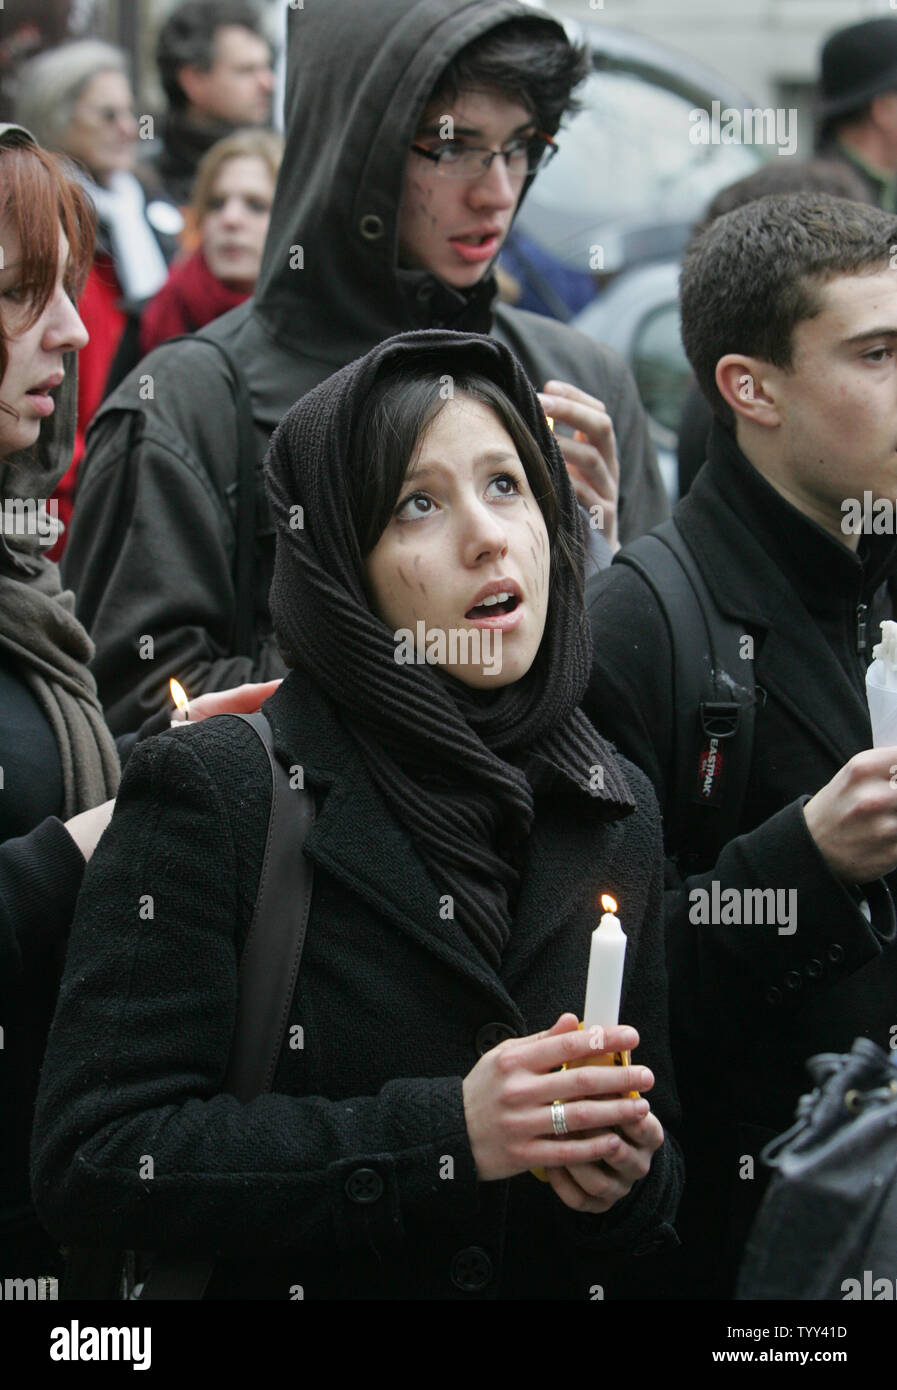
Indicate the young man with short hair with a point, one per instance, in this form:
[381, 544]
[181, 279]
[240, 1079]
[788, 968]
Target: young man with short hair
[413, 131]
[789, 318]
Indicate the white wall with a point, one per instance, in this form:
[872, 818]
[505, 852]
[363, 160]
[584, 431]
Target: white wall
[756, 43]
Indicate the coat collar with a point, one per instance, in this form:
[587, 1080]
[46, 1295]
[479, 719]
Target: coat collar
[774, 569]
[358, 841]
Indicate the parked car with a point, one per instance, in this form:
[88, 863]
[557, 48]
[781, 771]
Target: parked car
[638, 316]
[629, 182]
[619, 202]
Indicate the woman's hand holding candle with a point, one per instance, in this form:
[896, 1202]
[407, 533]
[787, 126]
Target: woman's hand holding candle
[240, 699]
[507, 1105]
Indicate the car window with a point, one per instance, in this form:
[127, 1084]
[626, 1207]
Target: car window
[660, 367]
[629, 153]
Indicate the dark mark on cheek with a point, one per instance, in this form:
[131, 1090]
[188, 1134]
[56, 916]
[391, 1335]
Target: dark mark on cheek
[403, 577]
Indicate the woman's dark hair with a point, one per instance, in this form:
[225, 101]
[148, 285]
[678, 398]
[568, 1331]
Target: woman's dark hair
[754, 274]
[391, 424]
[187, 39]
[527, 59]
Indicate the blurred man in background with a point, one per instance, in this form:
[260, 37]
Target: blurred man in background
[858, 109]
[215, 66]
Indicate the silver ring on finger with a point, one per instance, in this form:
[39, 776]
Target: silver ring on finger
[559, 1118]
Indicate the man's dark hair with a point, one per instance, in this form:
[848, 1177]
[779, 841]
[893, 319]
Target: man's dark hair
[754, 274]
[187, 38]
[527, 59]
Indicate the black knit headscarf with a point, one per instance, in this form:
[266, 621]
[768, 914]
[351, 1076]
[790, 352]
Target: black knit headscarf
[457, 765]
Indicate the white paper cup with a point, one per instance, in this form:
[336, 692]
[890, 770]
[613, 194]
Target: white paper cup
[882, 707]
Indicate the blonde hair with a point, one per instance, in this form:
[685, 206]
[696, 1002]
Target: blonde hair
[251, 142]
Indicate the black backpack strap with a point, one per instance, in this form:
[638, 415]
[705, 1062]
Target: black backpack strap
[269, 968]
[245, 640]
[713, 698]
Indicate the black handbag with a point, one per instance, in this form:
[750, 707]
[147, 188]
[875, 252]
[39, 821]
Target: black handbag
[269, 968]
[827, 1228]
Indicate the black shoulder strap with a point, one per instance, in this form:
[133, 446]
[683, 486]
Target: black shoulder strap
[713, 698]
[245, 640]
[269, 968]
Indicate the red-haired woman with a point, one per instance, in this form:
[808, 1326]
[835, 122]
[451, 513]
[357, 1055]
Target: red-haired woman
[59, 761]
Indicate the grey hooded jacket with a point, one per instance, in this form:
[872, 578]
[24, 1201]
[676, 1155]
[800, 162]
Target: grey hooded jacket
[151, 549]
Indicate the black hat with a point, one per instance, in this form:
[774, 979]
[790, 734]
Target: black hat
[858, 63]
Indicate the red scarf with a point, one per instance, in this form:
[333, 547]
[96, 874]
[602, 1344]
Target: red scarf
[190, 298]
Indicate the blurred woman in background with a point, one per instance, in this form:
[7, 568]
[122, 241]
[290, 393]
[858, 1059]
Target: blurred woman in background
[230, 209]
[77, 99]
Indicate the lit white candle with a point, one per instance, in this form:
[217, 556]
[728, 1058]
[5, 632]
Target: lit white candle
[605, 969]
[179, 695]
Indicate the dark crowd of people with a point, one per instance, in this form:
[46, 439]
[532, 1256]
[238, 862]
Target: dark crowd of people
[266, 427]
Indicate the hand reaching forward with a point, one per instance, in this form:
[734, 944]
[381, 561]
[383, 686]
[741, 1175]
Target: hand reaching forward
[241, 699]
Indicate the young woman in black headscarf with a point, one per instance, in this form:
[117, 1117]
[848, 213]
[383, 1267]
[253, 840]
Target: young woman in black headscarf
[427, 594]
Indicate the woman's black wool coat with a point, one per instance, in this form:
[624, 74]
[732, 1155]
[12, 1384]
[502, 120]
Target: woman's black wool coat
[354, 1178]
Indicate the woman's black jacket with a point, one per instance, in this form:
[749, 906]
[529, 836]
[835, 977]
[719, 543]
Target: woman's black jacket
[354, 1178]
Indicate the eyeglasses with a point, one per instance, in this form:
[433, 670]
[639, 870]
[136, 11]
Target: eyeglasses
[525, 156]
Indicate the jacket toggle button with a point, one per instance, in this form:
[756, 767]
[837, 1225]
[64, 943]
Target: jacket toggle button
[364, 1186]
[490, 1035]
[471, 1269]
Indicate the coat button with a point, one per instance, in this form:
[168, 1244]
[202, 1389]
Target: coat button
[490, 1035]
[835, 953]
[365, 1185]
[773, 996]
[793, 980]
[813, 969]
[471, 1269]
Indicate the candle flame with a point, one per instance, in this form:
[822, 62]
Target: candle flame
[550, 420]
[608, 903]
[178, 693]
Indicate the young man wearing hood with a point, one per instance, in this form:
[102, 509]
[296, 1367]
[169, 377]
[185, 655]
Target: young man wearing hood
[369, 237]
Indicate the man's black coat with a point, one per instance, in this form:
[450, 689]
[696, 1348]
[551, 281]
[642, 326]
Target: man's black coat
[749, 1003]
[355, 1177]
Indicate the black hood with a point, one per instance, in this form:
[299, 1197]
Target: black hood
[358, 77]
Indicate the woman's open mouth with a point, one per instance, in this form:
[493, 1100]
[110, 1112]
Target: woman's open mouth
[42, 401]
[502, 611]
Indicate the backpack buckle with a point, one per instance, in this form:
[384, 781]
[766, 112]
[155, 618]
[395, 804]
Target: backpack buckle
[720, 718]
